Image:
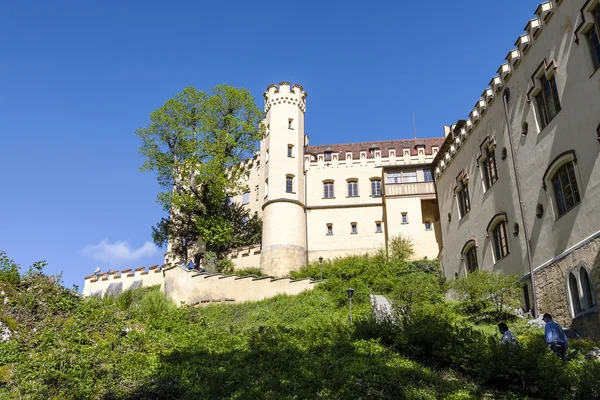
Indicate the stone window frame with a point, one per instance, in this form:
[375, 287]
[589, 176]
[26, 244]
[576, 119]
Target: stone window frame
[486, 161]
[469, 246]
[430, 224]
[499, 250]
[289, 183]
[461, 192]
[404, 218]
[588, 25]
[329, 229]
[354, 183]
[581, 296]
[354, 228]
[378, 227]
[374, 192]
[245, 198]
[553, 168]
[544, 73]
[290, 151]
[329, 194]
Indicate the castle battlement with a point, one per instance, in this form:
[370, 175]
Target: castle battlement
[285, 94]
[515, 58]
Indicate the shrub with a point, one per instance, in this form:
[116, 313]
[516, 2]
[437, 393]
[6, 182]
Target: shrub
[416, 290]
[400, 247]
[488, 292]
[9, 270]
[432, 267]
[249, 271]
[224, 265]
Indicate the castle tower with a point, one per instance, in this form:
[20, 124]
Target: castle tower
[282, 186]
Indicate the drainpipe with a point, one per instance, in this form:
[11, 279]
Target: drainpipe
[506, 98]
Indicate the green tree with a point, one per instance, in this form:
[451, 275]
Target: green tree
[9, 270]
[195, 144]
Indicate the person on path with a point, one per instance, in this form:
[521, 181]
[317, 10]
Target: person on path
[555, 336]
[507, 336]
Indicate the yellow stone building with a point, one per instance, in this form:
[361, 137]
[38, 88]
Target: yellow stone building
[333, 200]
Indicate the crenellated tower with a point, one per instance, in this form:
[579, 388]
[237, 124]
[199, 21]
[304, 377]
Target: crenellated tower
[282, 187]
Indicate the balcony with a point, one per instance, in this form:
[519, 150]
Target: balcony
[420, 189]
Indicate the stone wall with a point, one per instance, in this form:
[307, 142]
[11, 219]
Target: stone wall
[192, 287]
[553, 292]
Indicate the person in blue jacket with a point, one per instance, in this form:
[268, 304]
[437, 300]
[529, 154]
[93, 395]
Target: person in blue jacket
[555, 336]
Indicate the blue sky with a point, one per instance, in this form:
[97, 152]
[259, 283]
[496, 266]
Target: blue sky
[78, 78]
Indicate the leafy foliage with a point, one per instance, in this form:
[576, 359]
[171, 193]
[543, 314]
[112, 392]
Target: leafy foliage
[400, 247]
[487, 292]
[195, 143]
[9, 270]
[138, 345]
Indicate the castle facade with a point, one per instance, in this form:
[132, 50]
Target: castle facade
[333, 200]
[518, 181]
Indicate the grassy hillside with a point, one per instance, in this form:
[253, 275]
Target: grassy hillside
[140, 346]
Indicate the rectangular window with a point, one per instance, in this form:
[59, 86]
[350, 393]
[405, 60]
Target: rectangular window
[404, 218]
[547, 100]
[246, 198]
[375, 187]
[289, 184]
[378, 227]
[353, 189]
[427, 175]
[353, 228]
[594, 38]
[289, 154]
[566, 191]
[427, 225]
[500, 241]
[290, 121]
[490, 170]
[464, 203]
[327, 156]
[329, 229]
[471, 259]
[328, 190]
[409, 176]
[394, 177]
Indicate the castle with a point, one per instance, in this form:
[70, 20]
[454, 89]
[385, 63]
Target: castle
[332, 200]
[515, 187]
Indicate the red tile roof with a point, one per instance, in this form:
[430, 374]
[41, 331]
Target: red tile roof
[384, 146]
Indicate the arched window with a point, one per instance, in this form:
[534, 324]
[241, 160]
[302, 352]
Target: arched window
[586, 287]
[574, 291]
[561, 176]
[496, 231]
[469, 256]
[581, 291]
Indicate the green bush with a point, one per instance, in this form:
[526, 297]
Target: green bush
[249, 271]
[488, 293]
[9, 270]
[400, 247]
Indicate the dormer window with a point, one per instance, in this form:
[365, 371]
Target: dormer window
[328, 156]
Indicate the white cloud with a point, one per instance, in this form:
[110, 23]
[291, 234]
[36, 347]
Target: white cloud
[119, 253]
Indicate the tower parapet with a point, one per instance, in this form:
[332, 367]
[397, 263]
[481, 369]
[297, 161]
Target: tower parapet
[285, 94]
